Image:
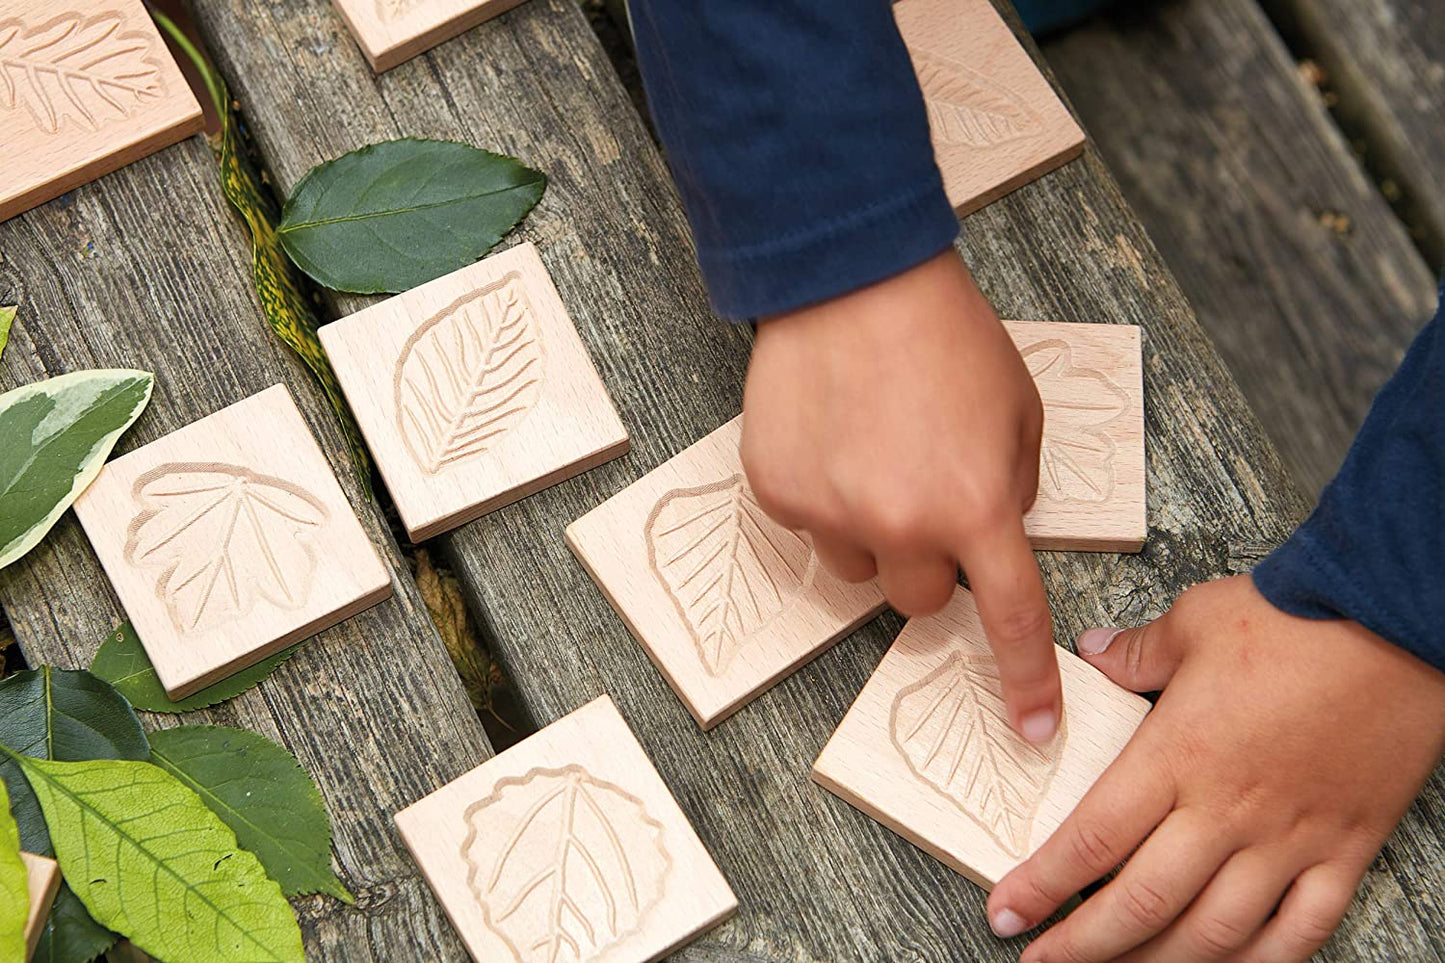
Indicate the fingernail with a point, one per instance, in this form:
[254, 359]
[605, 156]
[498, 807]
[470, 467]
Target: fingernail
[1007, 924]
[1095, 641]
[1038, 726]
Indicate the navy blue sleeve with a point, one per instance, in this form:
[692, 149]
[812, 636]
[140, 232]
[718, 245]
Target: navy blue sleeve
[1374, 549]
[798, 138]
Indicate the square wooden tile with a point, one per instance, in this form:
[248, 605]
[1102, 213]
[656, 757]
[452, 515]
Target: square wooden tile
[725, 601]
[567, 846]
[1091, 473]
[86, 87]
[928, 752]
[473, 391]
[391, 32]
[997, 123]
[44, 882]
[229, 540]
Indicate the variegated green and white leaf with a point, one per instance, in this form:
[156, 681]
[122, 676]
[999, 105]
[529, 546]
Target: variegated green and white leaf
[54, 438]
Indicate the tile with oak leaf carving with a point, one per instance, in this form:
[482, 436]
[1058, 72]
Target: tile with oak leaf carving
[996, 122]
[927, 749]
[567, 847]
[391, 32]
[473, 391]
[86, 86]
[229, 540]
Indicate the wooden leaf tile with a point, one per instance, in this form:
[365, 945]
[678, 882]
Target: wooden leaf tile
[44, 882]
[928, 752]
[567, 847]
[996, 122]
[391, 32]
[473, 391]
[229, 540]
[86, 86]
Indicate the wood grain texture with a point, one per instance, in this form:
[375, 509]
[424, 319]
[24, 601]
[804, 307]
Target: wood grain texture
[391, 32]
[1385, 61]
[567, 846]
[229, 540]
[996, 122]
[473, 391]
[148, 268]
[86, 86]
[726, 602]
[536, 84]
[927, 749]
[1242, 180]
[44, 881]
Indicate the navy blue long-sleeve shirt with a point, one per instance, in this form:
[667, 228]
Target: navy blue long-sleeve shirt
[798, 138]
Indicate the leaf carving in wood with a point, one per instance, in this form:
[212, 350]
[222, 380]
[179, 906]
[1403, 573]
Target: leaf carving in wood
[564, 865]
[1080, 404]
[968, 109]
[389, 10]
[224, 538]
[728, 568]
[953, 730]
[469, 375]
[87, 70]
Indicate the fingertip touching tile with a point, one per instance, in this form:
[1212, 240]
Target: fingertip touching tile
[567, 846]
[927, 749]
[473, 391]
[391, 32]
[86, 87]
[229, 540]
[996, 122]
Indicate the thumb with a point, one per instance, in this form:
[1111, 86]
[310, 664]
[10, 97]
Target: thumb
[1142, 659]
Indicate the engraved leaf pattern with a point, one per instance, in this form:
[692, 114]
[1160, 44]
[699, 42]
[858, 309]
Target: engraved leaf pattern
[728, 568]
[564, 865]
[952, 728]
[84, 70]
[224, 538]
[968, 109]
[469, 375]
[389, 10]
[1077, 459]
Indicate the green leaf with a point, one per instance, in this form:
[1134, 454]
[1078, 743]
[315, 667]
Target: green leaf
[59, 714]
[263, 794]
[14, 886]
[54, 437]
[7, 318]
[394, 215]
[70, 934]
[122, 661]
[150, 861]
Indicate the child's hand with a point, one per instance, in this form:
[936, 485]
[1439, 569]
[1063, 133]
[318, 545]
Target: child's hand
[900, 428]
[1280, 756]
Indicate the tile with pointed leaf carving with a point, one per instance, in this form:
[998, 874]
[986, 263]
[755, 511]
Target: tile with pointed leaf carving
[229, 540]
[567, 847]
[927, 749]
[391, 32]
[473, 391]
[86, 87]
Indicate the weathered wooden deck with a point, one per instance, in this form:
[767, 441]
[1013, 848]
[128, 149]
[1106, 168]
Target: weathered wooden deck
[147, 267]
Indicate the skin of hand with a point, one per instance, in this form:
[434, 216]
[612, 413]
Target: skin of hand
[899, 427]
[1277, 761]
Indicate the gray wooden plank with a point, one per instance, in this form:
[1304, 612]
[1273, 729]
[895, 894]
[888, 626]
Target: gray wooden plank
[1239, 174]
[148, 268]
[1385, 61]
[817, 881]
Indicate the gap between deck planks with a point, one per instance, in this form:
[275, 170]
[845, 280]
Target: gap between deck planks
[149, 268]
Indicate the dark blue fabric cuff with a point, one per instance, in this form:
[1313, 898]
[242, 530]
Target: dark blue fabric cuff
[832, 257]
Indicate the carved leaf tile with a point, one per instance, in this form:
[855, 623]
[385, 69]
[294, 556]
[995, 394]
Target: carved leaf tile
[88, 70]
[469, 375]
[953, 730]
[564, 865]
[1079, 405]
[728, 568]
[968, 109]
[224, 538]
[389, 10]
